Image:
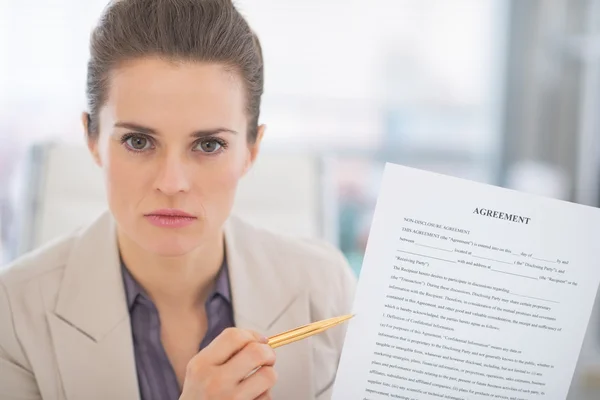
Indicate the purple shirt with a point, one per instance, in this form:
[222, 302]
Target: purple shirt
[156, 376]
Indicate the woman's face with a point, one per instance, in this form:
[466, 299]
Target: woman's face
[173, 142]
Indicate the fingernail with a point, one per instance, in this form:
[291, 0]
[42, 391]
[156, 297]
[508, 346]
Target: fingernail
[264, 340]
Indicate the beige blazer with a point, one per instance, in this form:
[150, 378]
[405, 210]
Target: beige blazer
[65, 331]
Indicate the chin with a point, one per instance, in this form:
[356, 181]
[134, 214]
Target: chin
[166, 242]
[170, 243]
[170, 248]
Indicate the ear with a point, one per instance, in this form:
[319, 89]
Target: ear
[254, 148]
[92, 142]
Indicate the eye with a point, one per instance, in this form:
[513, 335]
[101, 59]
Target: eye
[137, 142]
[209, 145]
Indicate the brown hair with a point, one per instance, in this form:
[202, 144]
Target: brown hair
[179, 30]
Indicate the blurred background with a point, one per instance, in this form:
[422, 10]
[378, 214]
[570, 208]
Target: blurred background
[498, 91]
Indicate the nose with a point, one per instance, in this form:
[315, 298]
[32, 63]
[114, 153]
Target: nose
[172, 176]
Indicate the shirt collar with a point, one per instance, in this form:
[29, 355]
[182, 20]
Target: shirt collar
[222, 287]
[133, 289]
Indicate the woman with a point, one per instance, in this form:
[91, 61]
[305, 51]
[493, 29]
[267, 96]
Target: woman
[167, 296]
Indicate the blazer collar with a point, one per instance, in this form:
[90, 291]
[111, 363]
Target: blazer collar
[259, 296]
[92, 296]
[90, 326]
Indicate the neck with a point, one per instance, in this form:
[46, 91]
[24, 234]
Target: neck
[178, 281]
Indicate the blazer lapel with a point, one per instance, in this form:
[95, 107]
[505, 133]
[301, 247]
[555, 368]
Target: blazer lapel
[90, 324]
[266, 302]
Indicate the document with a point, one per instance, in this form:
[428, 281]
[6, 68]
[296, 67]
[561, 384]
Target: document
[469, 291]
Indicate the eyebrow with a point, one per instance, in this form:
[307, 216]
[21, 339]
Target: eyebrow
[150, 131]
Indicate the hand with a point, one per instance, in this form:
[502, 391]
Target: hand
[224, 369]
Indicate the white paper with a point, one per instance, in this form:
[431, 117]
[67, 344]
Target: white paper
[458, 302]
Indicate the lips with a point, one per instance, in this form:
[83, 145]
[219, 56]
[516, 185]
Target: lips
[171, 212]
[170, 218]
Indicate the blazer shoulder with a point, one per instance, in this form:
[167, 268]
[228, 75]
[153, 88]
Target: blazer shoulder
[38, 263]
[315, 260]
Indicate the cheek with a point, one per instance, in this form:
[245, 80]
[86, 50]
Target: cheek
[225, 176]
[220, 180]
[124, 181]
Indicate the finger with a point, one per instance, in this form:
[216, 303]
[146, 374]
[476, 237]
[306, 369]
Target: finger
[265, 396]
[259, 384]
[228, 343]
[251, 357]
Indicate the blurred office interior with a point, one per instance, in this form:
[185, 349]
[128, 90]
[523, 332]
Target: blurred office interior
[498, 91]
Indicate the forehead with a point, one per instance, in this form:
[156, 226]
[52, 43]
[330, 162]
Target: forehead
[165, 94]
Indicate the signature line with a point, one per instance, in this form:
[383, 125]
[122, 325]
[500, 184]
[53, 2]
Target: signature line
[510, 273]
[536, 298]
[422, 255]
